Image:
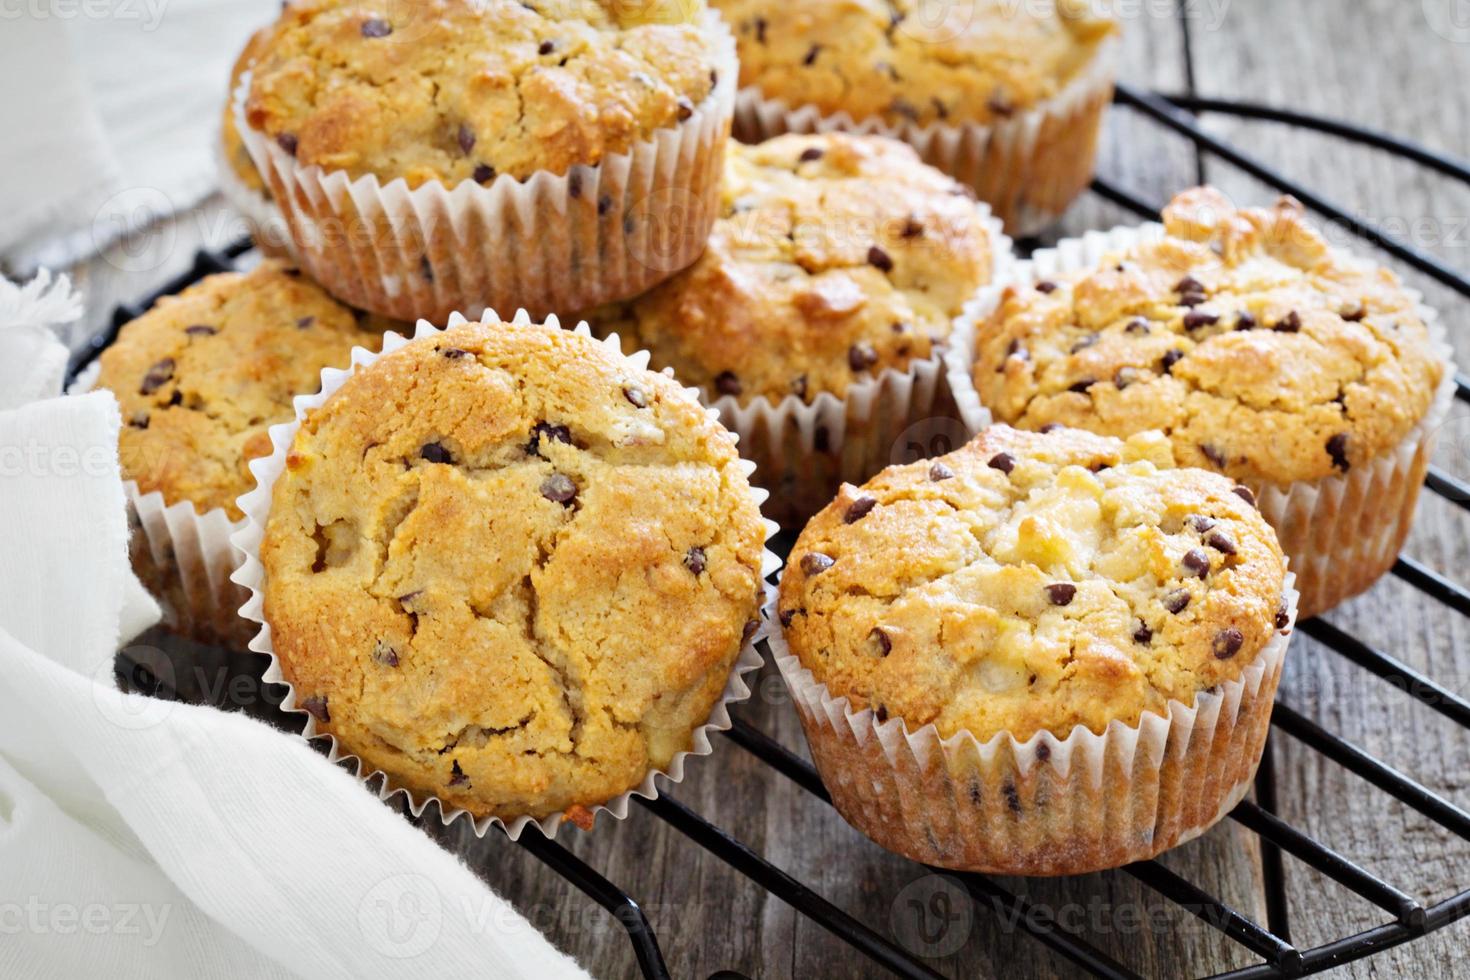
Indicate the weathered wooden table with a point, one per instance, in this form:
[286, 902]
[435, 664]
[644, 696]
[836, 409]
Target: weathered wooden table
[1395, 65]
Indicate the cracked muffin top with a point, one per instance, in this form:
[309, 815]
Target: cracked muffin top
[1262, 352]
[538, 565]
[981, 62]
[456, 90]
[1031, 582]
[203, 375]
[833, 259]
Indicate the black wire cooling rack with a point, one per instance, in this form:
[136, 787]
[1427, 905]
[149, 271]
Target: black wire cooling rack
[1406, 918]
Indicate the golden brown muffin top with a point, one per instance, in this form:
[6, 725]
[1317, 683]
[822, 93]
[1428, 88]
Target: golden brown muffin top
[1030, 582]
[1262, 352]
[511, 569]
[455, 90]
[834, 258]
[203, 375]
[970, 61]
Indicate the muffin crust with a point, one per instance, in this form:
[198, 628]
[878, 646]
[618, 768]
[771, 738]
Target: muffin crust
[1031, 582]
[834, 258]
[983, 61]
[1262, 352]
[202, 376]
[457, 90]
[511, 570]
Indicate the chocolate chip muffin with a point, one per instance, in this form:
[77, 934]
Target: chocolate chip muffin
[1263, 353]
[199, 380]
[836, 262]
[500, 155]
[1008, 97]
[1018, 598]
[463, 90]
[537, 561]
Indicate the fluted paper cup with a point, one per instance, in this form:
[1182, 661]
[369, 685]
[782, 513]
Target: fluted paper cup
[1342, 532]
[552, 243]
[262, 218]
[1046, 805]
[250, 575]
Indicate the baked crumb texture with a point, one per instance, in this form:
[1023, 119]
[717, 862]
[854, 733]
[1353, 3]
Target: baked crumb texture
[1115, 625]
[511, 570]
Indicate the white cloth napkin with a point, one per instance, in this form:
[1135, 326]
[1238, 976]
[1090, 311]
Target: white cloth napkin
[140, 838]
[109, 111]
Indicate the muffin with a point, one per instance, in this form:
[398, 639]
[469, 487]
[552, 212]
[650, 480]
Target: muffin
[510, 569]
[1007, 97]
[814, 318]
[1039, 654]
[240, 183]
[1312, 377]
[459, 155]
[199, 379]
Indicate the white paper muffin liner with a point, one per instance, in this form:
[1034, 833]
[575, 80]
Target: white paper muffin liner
[184, 558]
[251, 576]
[262, 218]
[1028, 168]
[805, 451]
[1046, 805]
[1342, 532]
[596, 234]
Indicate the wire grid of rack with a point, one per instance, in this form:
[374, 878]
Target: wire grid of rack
[1406, 918]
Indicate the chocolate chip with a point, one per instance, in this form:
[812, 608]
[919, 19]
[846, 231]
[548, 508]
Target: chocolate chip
[880, 713]
[316, 706]
[384, 655]
[1050, 427]
[1080, 386]
[694, 560]
[1061, 593]
[436, 453]
[426, 269]
[1196, 562]
[811, 153]
[454, 353]
[177, 398]
[559, 489]
[1283, 615]
[376, 27]
[1227, 643]
[1018, 350]
[1046, 286]
[457, 776]
[879, 259]
[798, 386]
[1355, 314]
[912, 228]
[880, 642]
[1124, 377]
[1195, 320]
[305, 323]
[1172, 358]
[287, 142]
[200, 330]
[604, 204]
[1084, 343]
[815, 563]
[1189, 284]
[1213, 454]
[787, 615]
[1004, 462]
[466, 139]
[1201, 523]
[1043, 752]
[1143, 634]
[686, 108]
[1221, 542]
[727, 383]
[1000, 105]
[1245, 322]
[760, 30]
[483, 174]
[1337, 448]
[1191, 300]
[811, 55]
[546, 47]
[1137, 325]
[939, 472]
[859, 509]
[548, 432]
[861, 356]
[139, 420]
[635, 397]
[1176, 601]
[1290, 323]
[1013, 799]
[158, 375]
